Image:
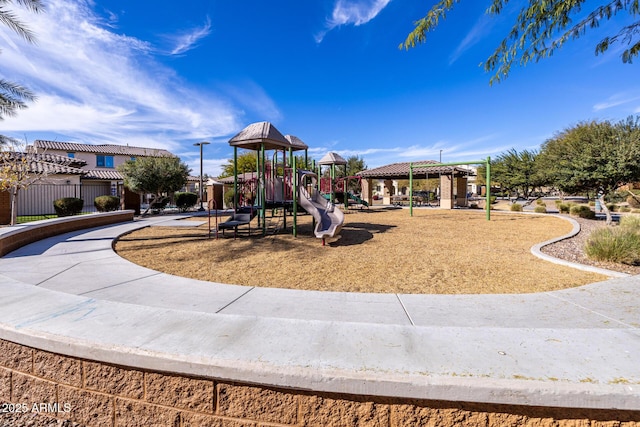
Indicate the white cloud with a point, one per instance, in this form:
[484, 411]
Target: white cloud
[615, 101]
[189, 39]
[480, 29]
[97, 86]
[355, 12]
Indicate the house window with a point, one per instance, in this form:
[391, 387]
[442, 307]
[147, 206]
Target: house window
[71, 155]
[104, 161]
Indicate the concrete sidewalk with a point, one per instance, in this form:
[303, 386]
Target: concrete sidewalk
[573, 348]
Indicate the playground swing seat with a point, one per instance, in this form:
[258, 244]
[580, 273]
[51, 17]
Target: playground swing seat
[235, 220]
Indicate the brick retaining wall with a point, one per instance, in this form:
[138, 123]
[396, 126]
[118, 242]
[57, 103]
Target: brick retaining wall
[32, 232]
[97, 394]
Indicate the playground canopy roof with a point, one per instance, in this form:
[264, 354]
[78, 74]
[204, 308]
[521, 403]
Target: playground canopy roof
[265, 134]
[401, 170]
[332, 159]
[296, 143]
[257, 134]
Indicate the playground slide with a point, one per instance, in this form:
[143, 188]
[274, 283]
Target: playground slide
[357, 199]
[329, 218]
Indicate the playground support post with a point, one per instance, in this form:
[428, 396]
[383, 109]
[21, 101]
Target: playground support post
[294, 185]
[486, 162]
[235, 179]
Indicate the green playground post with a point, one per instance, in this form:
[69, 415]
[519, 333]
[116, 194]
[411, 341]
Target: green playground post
[263, 188]
[235, 179]
[294, 187]
[411, 188]
[488, 178]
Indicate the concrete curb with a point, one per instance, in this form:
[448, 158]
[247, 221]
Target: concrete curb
[536, 251]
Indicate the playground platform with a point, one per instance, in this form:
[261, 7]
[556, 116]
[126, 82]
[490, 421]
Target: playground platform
[72, 295]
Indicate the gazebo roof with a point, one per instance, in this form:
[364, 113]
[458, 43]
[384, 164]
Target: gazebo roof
[257, 134]
[401, 170]
[296, 143]
[332, 159]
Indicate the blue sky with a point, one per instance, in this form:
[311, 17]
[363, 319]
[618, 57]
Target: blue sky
[328, 71]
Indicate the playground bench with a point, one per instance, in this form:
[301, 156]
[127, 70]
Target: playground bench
[234, 221]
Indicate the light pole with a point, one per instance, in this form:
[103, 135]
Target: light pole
[201, 144]
[440, 156]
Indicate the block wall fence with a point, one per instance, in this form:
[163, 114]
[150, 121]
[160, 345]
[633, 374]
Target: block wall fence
[97, 394]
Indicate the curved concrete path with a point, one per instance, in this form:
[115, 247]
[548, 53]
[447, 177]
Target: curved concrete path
[578, 347]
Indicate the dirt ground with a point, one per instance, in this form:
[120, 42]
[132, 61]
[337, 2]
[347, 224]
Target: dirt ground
[435, 251]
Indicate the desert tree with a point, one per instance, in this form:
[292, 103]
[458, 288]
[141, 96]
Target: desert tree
[21, 166]
[247, 161]
[155, 176]
[542, 27]
[517, 172]
[594, 156]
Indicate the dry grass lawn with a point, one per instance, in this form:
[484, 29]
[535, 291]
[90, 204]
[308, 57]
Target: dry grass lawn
[446, 252]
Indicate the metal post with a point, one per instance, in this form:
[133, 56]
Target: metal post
[410, 189]
[294, 184]
[263, 191]
[488, 178]
[235, 179]
[201, 144]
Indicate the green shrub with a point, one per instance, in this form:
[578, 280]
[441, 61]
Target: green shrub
[558, 202]
[592, 203]
[631, 222]
[614, 244]
[184, 201]
[612, 207]
[106, 203]
[68, 206]
[540, 209]
[564, 208]
[516, 207]
[492, 199]
[582, 212]
[474, 206]
[625, 209]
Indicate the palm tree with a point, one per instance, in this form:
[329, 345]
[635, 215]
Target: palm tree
[13, 96]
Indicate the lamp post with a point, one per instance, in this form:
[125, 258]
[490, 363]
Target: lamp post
[440, 156]
[201, 144]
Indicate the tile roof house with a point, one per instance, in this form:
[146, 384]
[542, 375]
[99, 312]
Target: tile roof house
[101, 160]
[47, 163]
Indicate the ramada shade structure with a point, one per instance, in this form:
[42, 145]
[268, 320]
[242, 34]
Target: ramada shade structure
[401, 170]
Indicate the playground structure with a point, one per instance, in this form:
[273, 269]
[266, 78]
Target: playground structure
[337, 188]
[275, 184]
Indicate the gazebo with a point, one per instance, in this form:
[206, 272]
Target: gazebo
[450, 177]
